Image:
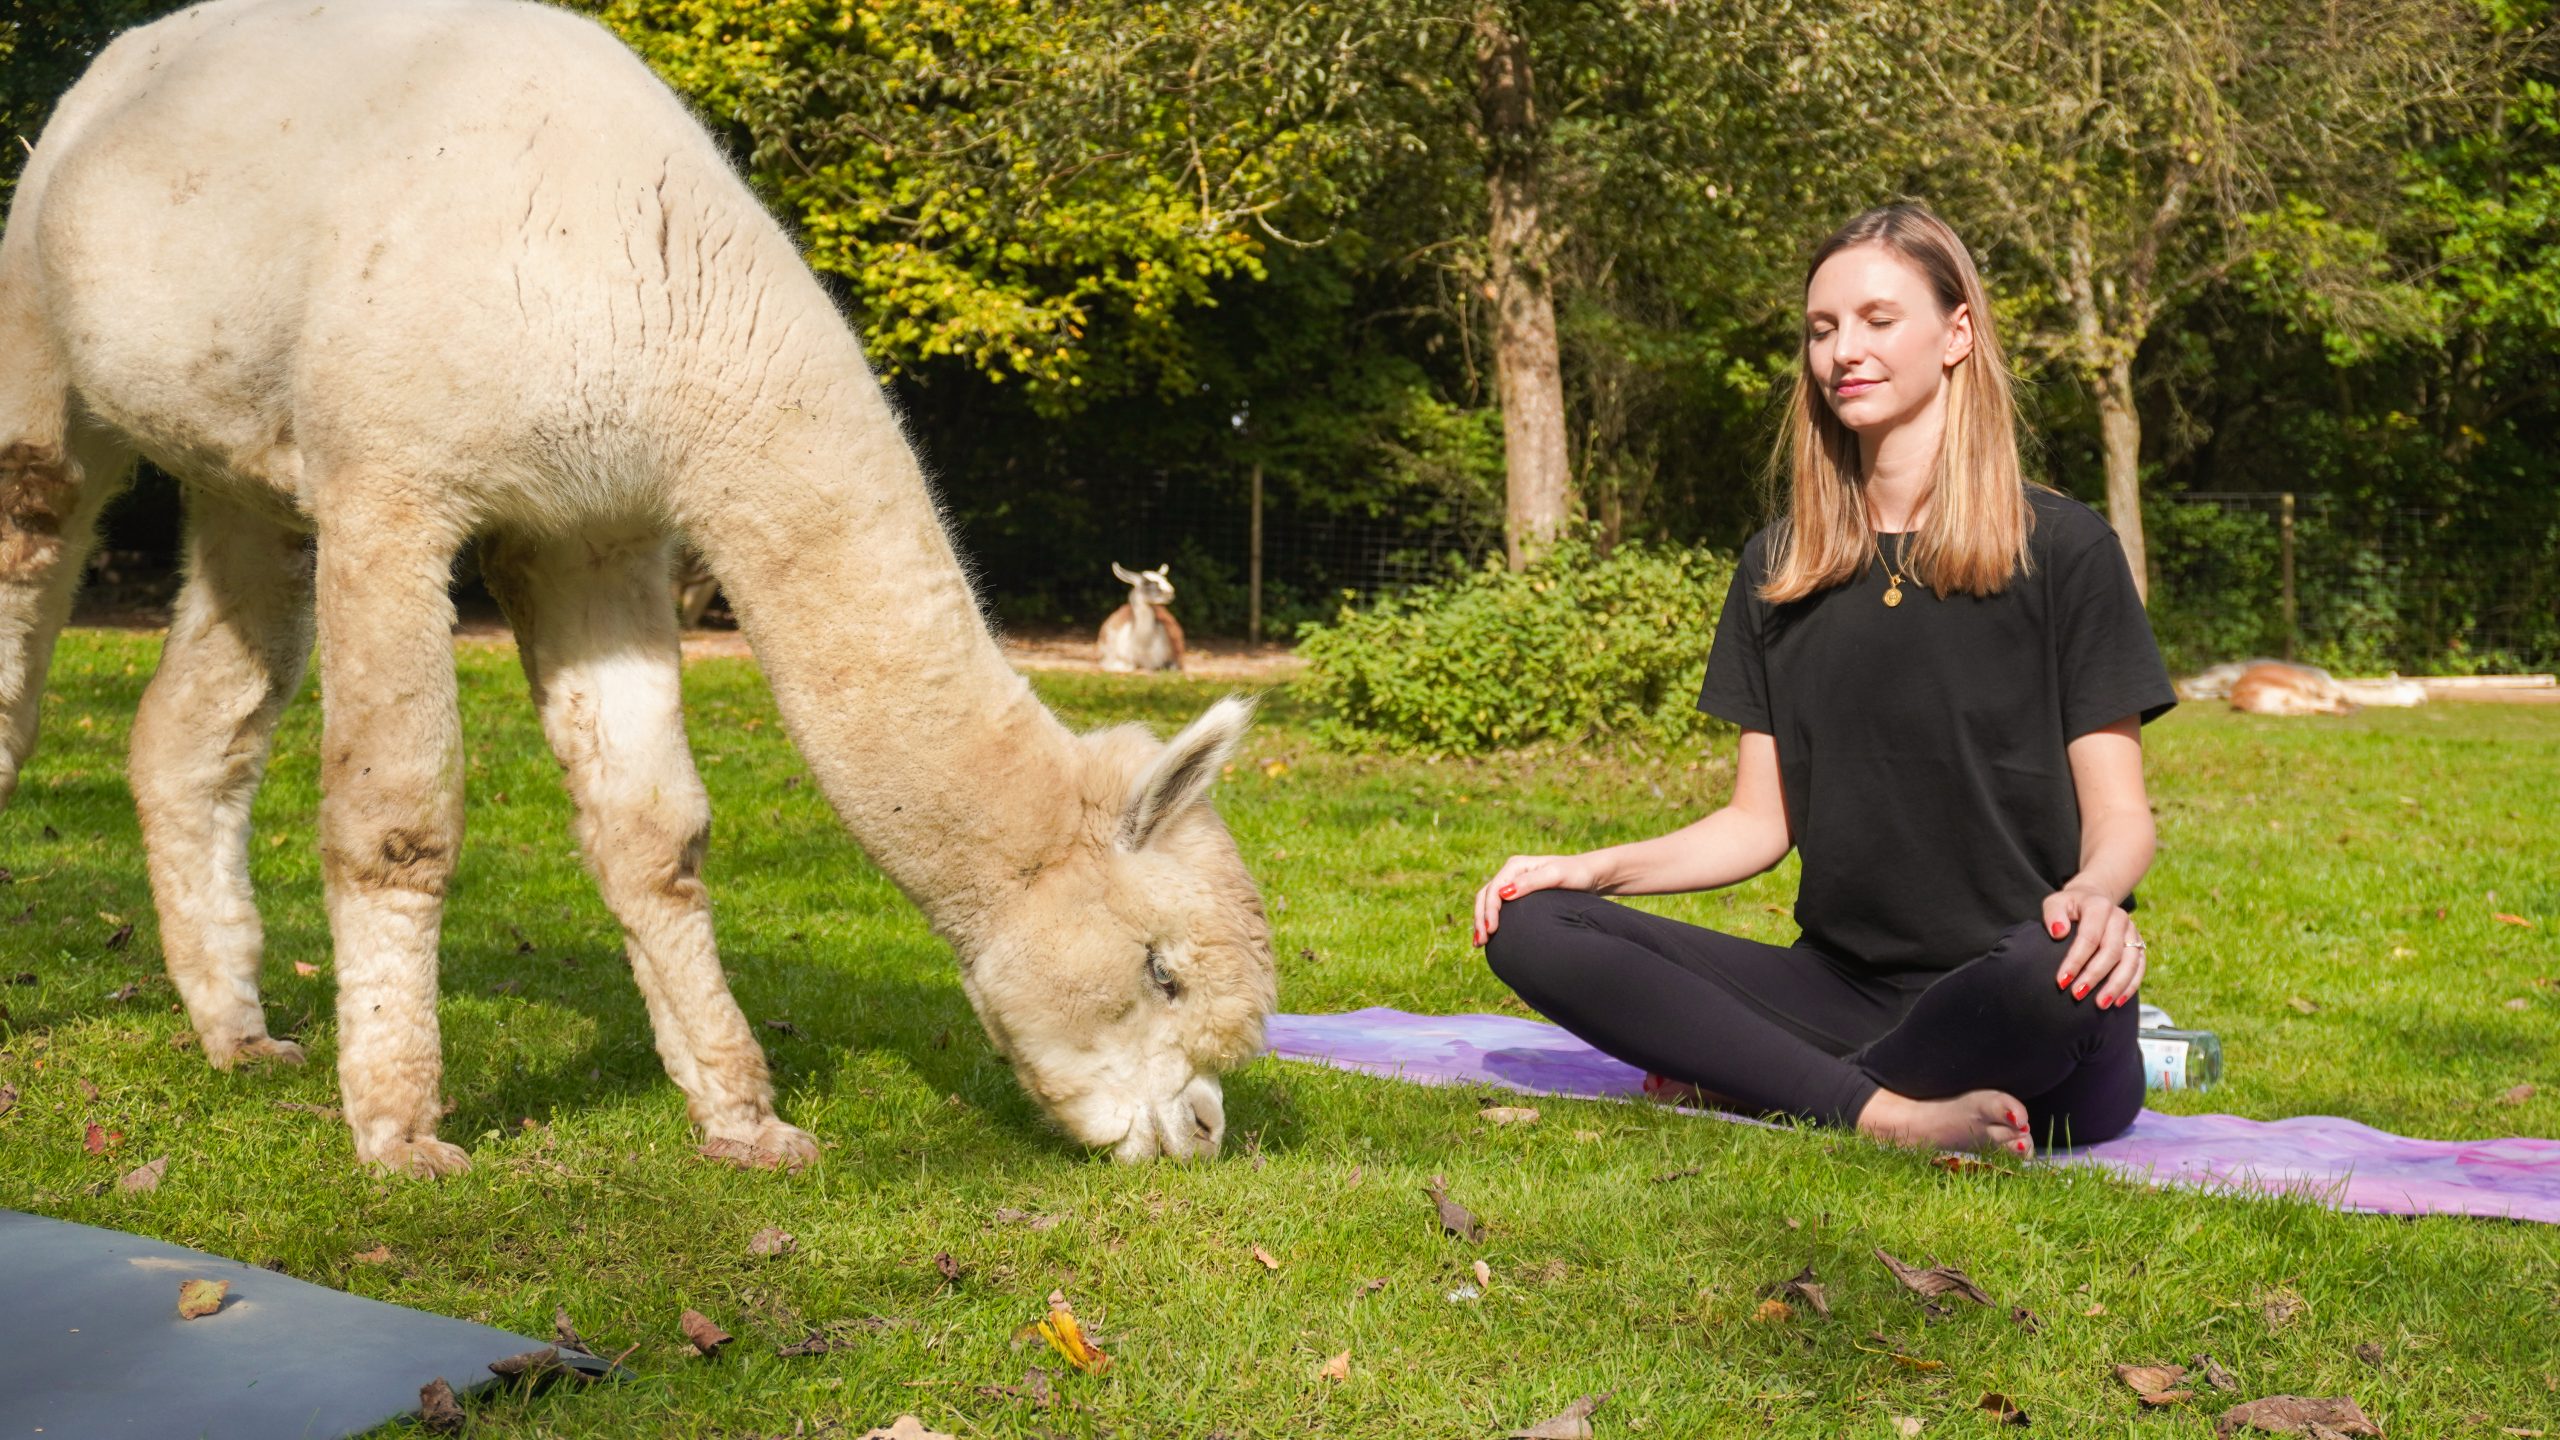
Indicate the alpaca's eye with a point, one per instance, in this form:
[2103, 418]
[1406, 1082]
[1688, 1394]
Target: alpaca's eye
[1160, 975]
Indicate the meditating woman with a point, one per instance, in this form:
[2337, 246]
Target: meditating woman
[1940, 671]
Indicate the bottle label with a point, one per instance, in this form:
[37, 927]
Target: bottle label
[2164, 1064]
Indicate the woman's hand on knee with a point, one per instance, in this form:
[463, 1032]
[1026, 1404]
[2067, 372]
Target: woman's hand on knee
[2106, 956]
[1521, 874]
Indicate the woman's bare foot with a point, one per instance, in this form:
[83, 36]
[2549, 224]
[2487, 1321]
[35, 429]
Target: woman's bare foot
[1975, 1120]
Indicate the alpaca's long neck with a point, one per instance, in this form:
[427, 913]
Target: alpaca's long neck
[935, 753]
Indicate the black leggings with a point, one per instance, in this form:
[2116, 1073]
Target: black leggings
[1787, 1030]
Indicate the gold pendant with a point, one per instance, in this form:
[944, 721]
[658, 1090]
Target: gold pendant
[1893, 597]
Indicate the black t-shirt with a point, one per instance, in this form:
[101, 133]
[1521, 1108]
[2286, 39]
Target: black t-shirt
[1921, 746]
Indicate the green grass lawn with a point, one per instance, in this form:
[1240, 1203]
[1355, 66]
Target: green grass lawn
[2354, 865]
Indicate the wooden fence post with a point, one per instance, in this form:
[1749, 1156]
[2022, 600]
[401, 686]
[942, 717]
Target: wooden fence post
[1253, 566]
[2284, 532]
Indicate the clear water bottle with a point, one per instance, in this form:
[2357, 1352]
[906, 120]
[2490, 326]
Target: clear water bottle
[2175, 1059]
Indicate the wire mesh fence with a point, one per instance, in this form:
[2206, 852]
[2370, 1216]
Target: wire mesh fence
[2359, 587]
[1244, 563]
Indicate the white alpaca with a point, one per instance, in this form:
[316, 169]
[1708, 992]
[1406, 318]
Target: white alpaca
[1142, 634]
[400, 275]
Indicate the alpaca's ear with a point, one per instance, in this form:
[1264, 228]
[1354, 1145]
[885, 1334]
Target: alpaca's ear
[1181, 775]
[1124, 576]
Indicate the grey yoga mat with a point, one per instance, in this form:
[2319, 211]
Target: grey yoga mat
[91, 1345]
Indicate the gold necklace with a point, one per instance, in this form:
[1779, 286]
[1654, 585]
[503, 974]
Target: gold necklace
[1893, 582]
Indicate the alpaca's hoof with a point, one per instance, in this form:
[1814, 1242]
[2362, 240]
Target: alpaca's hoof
[426, 1158]
[771, 1145]
[263, 1049]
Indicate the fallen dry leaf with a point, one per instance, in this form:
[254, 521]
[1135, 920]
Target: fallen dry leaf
[2503, 918]
[1804, 1287]
[1336, 1369]
[1906, 1426]
[2296, 1415]
[199, 1298]
[706, 1337]
[87, 1090]
[436, 1408]
[1774, 1312]
[905, 1427]
[145, 1178]
[1509, 1114]
[305, 969]
[2371, 1354]
[1966, 1165]
[98, 1139]
[2025, 1319]
[1934, 1281]
[2151, 1379]
[1573, 1422]
[530, 1365]
[1455, 1218]
[2518, 1095]
[122, 935]
[1484, 1274]
[568, 1334]
[1265, 1257]
[946, 1267]
[1369, 1287]
[770, 1241]
[2214, 1374]
[1065, 1336]
[2000, 1408]
[378, 1255]
[2307, 1007]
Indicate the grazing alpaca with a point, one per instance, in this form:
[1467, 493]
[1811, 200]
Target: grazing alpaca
[492, 281]
[1142, 635]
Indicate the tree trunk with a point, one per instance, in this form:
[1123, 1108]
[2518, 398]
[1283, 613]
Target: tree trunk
[1537, 479]
[2120, 426]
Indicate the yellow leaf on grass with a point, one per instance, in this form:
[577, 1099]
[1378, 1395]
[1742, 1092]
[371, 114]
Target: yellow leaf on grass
[1065, 1336]
[1336, 1369]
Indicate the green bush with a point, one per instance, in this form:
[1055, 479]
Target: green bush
[1579, 647]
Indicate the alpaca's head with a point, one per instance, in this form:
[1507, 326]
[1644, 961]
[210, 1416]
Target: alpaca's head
[1135, 967]
[1152, 587]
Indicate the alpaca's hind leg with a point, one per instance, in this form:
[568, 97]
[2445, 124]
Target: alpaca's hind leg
[52, 486]
[390, 812]
[235, 653]
[596, 629]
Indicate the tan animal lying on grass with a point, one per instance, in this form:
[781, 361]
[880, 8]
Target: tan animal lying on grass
[2280, 687]
[404, 275]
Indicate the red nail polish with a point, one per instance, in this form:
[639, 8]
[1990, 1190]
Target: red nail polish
[2062, 982]
[2022, 1147]
[1510, 892]
[2081, 993]
[2058, 928]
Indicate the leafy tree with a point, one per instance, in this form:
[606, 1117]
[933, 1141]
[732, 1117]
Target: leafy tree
[2121, 157]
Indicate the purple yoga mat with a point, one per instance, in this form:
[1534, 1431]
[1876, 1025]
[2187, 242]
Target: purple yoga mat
[2319, 1158]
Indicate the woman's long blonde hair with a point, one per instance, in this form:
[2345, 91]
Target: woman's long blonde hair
[1975, 536]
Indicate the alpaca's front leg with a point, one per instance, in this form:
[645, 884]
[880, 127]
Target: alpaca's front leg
[390, 817]
[600, 649]
[235, 653]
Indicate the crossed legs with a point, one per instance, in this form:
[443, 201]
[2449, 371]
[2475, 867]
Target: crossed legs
[1784, 1031]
